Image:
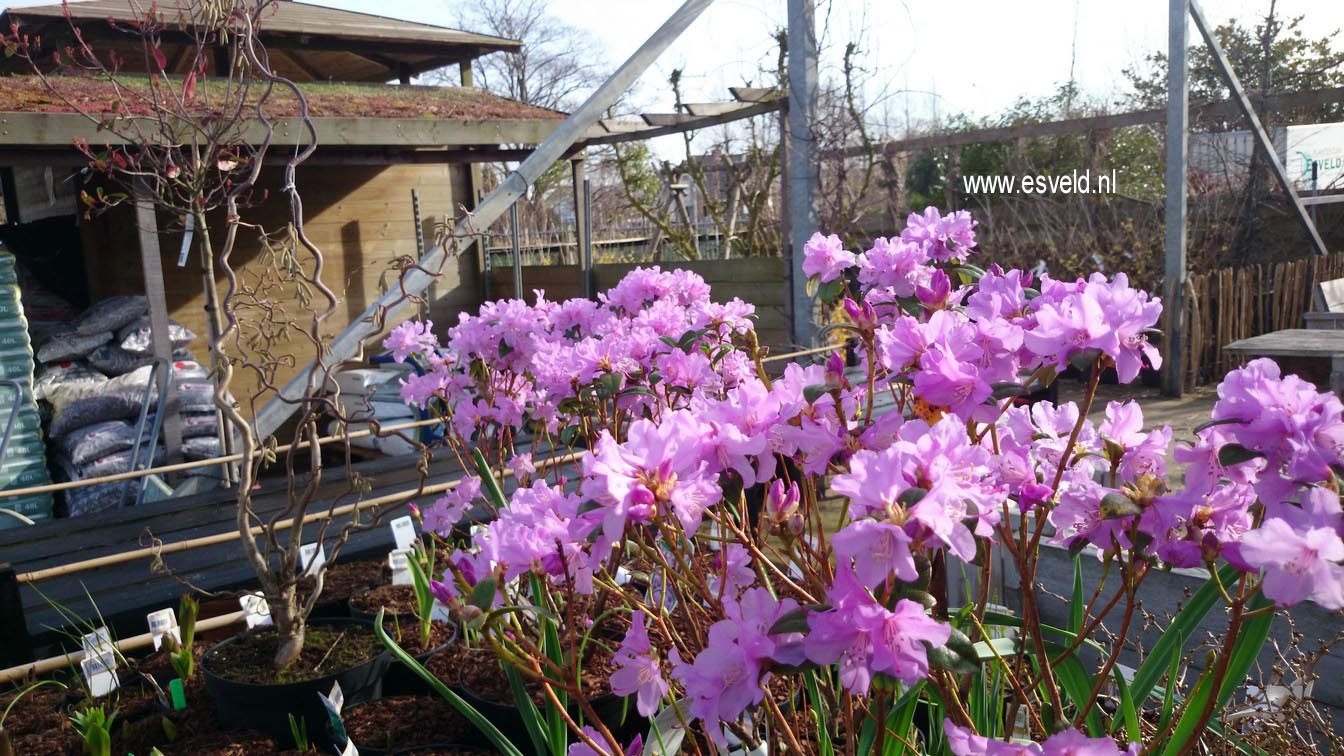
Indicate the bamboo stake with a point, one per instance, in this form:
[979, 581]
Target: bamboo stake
[72, 659]
[232, 535]
[53, 487]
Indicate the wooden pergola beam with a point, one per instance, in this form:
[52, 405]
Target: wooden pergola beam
[1220, 108]
[676, 123]
[36, 130]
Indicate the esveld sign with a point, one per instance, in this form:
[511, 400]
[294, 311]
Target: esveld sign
[1322, 143]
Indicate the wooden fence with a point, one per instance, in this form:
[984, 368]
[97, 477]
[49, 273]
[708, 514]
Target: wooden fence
[1227, 304]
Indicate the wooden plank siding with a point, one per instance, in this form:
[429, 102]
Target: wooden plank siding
[360, 217]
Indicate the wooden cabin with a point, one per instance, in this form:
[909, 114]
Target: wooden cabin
[377, 143]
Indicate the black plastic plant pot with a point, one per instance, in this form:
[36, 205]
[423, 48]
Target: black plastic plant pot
[400, 679]
[267, 708]
[508, 718]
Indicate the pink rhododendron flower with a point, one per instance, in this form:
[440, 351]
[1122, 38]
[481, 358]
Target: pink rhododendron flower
[411, 337]
[1297, 564]
[581, 748]
[637, 670]
[1070, 742]
[878, 549]
[864, 637]
[825, 257]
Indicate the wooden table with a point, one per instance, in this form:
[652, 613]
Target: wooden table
[1300, 343]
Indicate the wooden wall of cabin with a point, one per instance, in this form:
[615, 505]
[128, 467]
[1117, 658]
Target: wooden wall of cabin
[359, 216]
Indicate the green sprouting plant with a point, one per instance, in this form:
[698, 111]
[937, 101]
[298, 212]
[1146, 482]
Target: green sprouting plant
[6, 743]
[299, 732]
[421, 565]
[94, 725]
[181, 656]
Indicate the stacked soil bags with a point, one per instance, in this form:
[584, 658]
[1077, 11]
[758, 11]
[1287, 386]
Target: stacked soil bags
[24, 460]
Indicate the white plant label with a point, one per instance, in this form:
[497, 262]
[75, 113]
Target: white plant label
[336, 697]
[311, 558]
[97, 643]
[400, 562]
[161, 624]
[257, 612]
[100, 674]
[439, 613]
[403, 531]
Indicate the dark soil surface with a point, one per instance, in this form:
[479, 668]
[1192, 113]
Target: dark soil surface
[397, 599]
[478, 671]
[405, 721]
[343, 581]
[326, 650]
[406, 632]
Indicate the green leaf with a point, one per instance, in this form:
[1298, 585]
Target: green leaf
[1172, 642]
[818, 708]
[483, 594]
[1008, 389]
[1077, 684]
[1235, 454]
[1083, 359]
[482, 724]
[815, 391]
[994, 648]
[958, 655]
[1214, 423]
[1077, 607]
[528, 709]
[488, 482]
[1250, 641]
[1128, 710]
[828, 291]
[791, 622]
[1115, 505]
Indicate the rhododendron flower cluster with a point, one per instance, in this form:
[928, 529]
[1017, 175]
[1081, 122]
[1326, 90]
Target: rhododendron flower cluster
[666, 502]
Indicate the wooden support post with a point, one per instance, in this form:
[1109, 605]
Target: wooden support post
[1178, 115]
[151, 263]
[16, 647]
[577, 172]
[803, 218]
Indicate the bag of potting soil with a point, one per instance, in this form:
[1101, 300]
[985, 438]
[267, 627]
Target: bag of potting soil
[52, 377]
[68, 345]
[198, 424]
[136, 339]
[84, 445]
[87, 500]
[111, 314]
[201, 447]
[118, 462]
[195, 397]
[87, 410]
[188, 369]
[113, 360]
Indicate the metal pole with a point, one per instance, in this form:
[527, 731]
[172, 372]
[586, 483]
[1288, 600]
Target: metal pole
[1178, 115]
[1262, 139]
[517, 253]
[350, 341]
[803, 219]
[588, 238]
[419, 230]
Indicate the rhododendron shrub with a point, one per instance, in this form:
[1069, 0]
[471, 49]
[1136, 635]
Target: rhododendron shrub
[760, 552]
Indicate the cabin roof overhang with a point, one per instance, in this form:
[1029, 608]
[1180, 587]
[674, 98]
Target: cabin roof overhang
[307, 42]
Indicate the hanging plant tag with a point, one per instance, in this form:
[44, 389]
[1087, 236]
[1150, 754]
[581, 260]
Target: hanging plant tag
[400, 562]
[100, 674]
[440, 613]
[333, 702]
[177, 694]
[311, 558]
[403, 531]
[97, 643]
[256, 611]
[161, 624]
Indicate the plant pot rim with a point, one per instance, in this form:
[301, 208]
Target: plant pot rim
[253, 632]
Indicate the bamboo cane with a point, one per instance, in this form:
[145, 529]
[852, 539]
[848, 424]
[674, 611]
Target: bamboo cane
[43, 666]
[232, 535]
